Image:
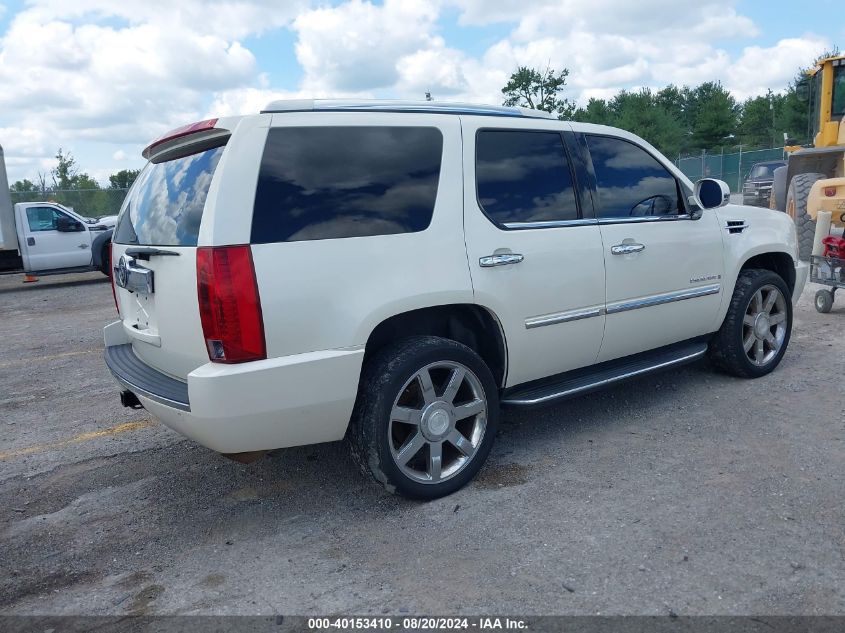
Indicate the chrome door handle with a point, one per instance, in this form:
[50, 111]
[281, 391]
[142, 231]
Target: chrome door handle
[627, 249]
[500, 260]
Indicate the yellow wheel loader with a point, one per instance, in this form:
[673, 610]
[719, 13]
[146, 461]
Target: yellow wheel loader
[814, 178]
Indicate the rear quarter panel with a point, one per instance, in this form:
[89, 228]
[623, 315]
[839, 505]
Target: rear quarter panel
[330, 294]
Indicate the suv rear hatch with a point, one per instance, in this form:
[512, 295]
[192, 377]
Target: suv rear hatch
[154, 252]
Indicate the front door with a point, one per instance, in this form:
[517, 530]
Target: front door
[664, 268]
[48, 248]
[536, 261]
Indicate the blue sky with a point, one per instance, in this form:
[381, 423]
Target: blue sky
[101, 78]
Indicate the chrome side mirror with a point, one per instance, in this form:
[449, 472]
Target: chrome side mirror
[712, 193]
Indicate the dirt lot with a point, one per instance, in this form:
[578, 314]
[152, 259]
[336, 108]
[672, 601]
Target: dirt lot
[688, 492]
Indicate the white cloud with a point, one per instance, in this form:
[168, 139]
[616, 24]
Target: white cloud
[122, 72]
[109, 81]
[246, 101]
[356, 46]
[113, 75]
[228, 19]
[395, 49]
[760, 68]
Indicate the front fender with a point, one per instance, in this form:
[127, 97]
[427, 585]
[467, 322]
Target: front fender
[97, 245]
[766, 232]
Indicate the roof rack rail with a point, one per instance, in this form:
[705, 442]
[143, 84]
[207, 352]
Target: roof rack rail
[383, 105]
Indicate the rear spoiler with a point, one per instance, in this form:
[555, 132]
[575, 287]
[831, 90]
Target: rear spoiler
[186, 140]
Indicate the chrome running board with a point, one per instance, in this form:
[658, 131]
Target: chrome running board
[580, 381]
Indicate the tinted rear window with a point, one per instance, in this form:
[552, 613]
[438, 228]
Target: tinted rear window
[164, 206]
[523, 177]
[320, 183]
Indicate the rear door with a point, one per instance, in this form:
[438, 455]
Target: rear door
[48, 248]
[535, 251]
[154, 256]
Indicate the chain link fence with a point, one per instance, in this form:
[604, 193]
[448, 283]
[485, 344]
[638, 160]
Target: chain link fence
[90, 203]
[733, 168]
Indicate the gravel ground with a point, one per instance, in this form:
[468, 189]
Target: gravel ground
[688, 492]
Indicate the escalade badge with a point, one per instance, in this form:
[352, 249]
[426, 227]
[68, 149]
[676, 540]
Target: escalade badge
[696, 280]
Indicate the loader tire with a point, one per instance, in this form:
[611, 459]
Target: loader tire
[777, 200]
[796, 208]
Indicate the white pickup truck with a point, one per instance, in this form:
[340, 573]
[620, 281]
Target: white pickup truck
[47, 238]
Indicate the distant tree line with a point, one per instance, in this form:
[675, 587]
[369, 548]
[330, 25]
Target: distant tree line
[678, 120]
[67, 185]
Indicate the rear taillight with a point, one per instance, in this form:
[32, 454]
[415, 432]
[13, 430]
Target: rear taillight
[230, 308]
[830, 191]
[111, 278]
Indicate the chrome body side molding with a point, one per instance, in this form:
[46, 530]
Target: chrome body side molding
[667, 297]
[621, 306]
[563, 317]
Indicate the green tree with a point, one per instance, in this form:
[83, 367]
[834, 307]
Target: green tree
[715, 116]
[24, 186]
[675, 101]
[84, 182]
[123, 179]
[597, 111]
[757, 121]
[65, 172]
[640, 113]
[792, 116]
[539, 90]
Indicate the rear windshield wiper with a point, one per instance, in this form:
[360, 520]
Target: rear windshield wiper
[145, 252]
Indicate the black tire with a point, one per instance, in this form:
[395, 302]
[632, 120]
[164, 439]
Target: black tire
[796, 207]
[384, 377]
[105, 260]
[726, 349]
[778, 195]
[824, 301]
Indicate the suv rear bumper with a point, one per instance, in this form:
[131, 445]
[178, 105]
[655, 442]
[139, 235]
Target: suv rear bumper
[261, 405]
[142, 380]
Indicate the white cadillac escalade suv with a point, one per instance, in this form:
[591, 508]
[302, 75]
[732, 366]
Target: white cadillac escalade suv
[395, 273]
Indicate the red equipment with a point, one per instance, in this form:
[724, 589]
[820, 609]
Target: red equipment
[834, 246]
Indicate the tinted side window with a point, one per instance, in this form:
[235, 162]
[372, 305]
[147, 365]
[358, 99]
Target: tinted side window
[43, 218]
[524, 176]
[631, 183]
[319, 183]
[165, 204]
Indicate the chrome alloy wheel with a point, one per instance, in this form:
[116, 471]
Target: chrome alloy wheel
[764, 325]
[437, 422]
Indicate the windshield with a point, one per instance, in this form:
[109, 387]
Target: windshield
[164, 206]
[838, 91]
[764, 171]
